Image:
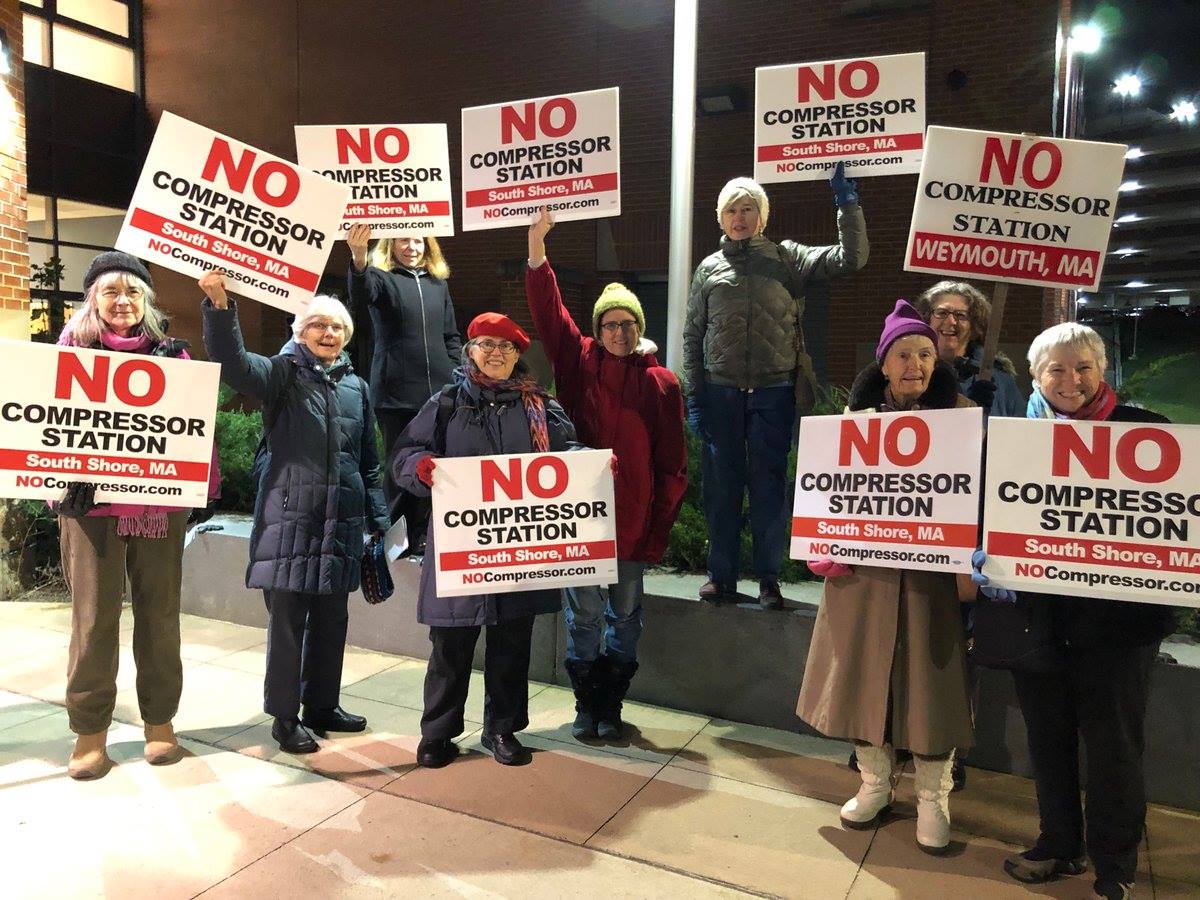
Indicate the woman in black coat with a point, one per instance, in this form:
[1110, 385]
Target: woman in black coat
[494, 407]
[318, 493]
[403, 288]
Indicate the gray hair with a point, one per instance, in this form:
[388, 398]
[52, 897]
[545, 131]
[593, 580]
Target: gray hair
[85, 326]
[1067, 334]
[323, 306]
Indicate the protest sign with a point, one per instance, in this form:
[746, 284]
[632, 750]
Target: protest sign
[867, 113]
[399, 175]
[1094, 509]
[523, 522]
[140, 427]
[205, 201]
[1017, 208]
[561, 152]
[896, 490]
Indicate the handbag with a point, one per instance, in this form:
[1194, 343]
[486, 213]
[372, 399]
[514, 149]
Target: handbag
[1015, 636]
[376, 580]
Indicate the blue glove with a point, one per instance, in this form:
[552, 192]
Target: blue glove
[989, 590]
[845, 190]
[697, 417]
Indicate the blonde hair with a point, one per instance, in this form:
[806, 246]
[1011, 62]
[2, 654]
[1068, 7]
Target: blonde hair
[433, 261]
[1067, 334]
[323, 306]
[85, 326]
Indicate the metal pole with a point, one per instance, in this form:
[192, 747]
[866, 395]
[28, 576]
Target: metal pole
[683, 149]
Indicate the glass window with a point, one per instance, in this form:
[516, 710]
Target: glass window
[75, 262]
[37, 40]
[40, 225]
[91, 57]
[86, 223]
[106, 14]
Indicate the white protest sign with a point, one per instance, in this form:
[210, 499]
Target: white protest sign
[1010, 207]
[867, 113]
[1094, 509]
[562, 152]
[896, 490]
[524, 522]
[140, 427]
[205, 201]
[399, 175]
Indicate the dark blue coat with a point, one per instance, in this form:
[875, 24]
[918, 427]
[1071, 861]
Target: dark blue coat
[482, 424]
[319, 490]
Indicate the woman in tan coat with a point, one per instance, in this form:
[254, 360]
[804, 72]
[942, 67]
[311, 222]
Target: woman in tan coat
[887, 666]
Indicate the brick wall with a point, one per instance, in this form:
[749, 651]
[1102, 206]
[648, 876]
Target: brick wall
[14, 249]
[365, 61]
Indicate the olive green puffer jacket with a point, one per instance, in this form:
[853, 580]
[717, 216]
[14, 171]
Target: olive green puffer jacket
[746, 302]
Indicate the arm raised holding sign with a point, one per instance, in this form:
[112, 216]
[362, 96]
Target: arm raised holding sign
[317, 493]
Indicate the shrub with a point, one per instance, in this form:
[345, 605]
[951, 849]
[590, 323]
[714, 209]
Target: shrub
[31, 532]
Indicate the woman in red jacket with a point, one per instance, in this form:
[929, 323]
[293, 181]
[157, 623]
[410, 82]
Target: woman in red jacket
[619, 397]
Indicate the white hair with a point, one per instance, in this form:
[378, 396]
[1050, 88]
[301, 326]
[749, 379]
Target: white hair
[1067, 334]
[85, 326]
[323, 307]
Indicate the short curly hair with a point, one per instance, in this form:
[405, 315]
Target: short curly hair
[979, 309]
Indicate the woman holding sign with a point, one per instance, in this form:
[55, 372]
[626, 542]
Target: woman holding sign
[1108, 651]
[103, 544]
[620, 397]
[744, 362]
[494, 407]
[887, 664]
[416, 341]
[318, 492]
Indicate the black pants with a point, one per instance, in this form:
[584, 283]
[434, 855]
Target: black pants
[1101, 695]
[306, 638]
[400, 502]
[505, 678]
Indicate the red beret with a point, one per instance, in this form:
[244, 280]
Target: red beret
[494, 324]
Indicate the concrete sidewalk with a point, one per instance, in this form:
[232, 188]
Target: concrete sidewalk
[688, 807]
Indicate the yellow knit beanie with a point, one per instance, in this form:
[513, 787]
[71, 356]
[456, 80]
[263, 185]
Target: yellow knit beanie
[617, 296]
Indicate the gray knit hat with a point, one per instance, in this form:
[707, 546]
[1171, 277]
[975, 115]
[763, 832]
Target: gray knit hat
[116, 261]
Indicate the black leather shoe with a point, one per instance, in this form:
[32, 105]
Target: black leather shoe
[293, 737]
[336, 719]
[433, 753]
[769, 596]
[506, 749]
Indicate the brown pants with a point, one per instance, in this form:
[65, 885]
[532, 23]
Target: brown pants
[95, 562]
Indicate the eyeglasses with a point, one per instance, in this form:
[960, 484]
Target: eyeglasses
[508, 348]
[112, 294]
[335, 327]
[611, 328]
[942, 313]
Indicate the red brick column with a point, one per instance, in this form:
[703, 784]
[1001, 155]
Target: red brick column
[14, 238]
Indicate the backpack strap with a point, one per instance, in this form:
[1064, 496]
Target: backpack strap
[447, 402]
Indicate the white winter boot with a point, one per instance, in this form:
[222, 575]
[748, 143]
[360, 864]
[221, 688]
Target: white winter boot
[877, 766]
[933, 783]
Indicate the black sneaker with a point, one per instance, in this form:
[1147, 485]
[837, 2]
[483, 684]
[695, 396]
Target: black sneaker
[506, 749]
[769, 596]
[1113, 890]
[1036, 866]
[711, 592]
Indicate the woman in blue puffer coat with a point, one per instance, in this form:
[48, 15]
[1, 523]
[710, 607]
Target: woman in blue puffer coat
[318, 493]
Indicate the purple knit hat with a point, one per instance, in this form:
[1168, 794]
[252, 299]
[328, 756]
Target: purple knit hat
[903, 320]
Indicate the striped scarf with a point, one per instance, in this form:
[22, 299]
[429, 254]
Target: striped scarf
[532, 399]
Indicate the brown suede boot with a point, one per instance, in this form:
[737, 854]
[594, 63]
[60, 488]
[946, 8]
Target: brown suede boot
[162, 747]
[90, 757]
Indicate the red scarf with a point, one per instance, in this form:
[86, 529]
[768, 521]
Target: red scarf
[1100, 407]
[531, 398]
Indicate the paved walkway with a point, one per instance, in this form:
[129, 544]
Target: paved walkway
[689, 807]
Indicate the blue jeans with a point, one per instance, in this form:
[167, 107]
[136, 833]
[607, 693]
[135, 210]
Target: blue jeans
[608, 618]
[756, 425]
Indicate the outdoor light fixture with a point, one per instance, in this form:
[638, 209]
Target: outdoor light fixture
[1127, 186]
[721, 99]
[1136, 284]
[1127, 251]
[1184, 111]
[1134, 153]
[1129, 217]
[1086, 38]
[1128, 85]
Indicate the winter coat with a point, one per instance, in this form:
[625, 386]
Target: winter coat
[417, 344]
[1009, 400]
[319, 491]
[483, 423]
[1085, 622]
[630, 404]
[891, 634]
[747, 301]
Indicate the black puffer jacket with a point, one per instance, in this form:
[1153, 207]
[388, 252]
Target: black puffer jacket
[319, 490]
[483, 423]
[417, 343]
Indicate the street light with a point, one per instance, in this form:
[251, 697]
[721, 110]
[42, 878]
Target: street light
[1127, 186]
[1086, 38]
[1184, 111]
[1127, 86]
[1134, 153]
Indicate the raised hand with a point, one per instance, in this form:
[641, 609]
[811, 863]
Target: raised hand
[359, 238]
[537, 235]
[213, 285]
